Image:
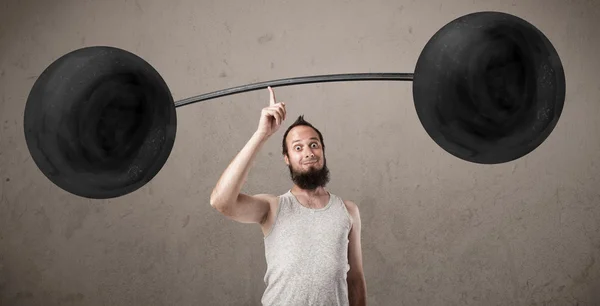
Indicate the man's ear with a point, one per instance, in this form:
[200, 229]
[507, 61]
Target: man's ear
[285, 158]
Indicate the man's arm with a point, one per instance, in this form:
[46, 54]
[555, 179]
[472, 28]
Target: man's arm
[357, 291]
[228, 188]
[226, 196]
[357, 285]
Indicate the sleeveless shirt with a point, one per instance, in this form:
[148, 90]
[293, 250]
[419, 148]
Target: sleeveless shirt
[306, 251]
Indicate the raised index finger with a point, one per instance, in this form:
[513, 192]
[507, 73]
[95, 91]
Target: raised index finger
[272, 100]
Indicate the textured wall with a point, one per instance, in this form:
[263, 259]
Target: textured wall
[437, 230]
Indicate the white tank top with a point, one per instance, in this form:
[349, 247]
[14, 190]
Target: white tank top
[307, 254]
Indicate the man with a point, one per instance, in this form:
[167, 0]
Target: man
[311, 236]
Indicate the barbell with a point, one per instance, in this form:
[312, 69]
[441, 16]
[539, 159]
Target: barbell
[488, 88]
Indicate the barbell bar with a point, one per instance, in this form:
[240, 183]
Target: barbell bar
[488, 88]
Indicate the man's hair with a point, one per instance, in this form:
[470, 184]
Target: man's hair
[301, 121]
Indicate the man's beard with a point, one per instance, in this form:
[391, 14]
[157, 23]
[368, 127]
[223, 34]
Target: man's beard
[312, 179]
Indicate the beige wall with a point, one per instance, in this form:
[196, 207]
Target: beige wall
[436, 230]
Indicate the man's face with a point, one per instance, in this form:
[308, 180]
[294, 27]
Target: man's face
[306, 160]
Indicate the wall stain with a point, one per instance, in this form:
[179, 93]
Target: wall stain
[73, 297]
[46, 223]
[22, 295]
[584, 275]
[138, 6]
[265, 38]
[75, 221]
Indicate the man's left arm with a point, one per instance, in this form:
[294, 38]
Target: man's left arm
[357, 291]
[357, 285]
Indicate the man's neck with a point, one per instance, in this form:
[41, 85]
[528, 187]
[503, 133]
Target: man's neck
[319, 192]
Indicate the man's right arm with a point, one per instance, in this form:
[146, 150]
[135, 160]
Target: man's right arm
[226, 196]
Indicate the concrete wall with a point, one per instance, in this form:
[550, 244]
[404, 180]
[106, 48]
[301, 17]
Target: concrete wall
[436, 230]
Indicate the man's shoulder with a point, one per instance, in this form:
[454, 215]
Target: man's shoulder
[351, 207]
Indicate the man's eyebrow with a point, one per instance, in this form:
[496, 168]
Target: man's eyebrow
[315, 138]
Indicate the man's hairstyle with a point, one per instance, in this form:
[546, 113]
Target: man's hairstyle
[301, 121]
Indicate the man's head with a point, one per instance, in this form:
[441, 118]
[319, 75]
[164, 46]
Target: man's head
[304, 153]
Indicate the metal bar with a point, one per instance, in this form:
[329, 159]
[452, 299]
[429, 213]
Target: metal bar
[299, 80]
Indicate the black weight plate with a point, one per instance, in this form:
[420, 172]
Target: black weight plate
[489, 87]
[100, 122]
